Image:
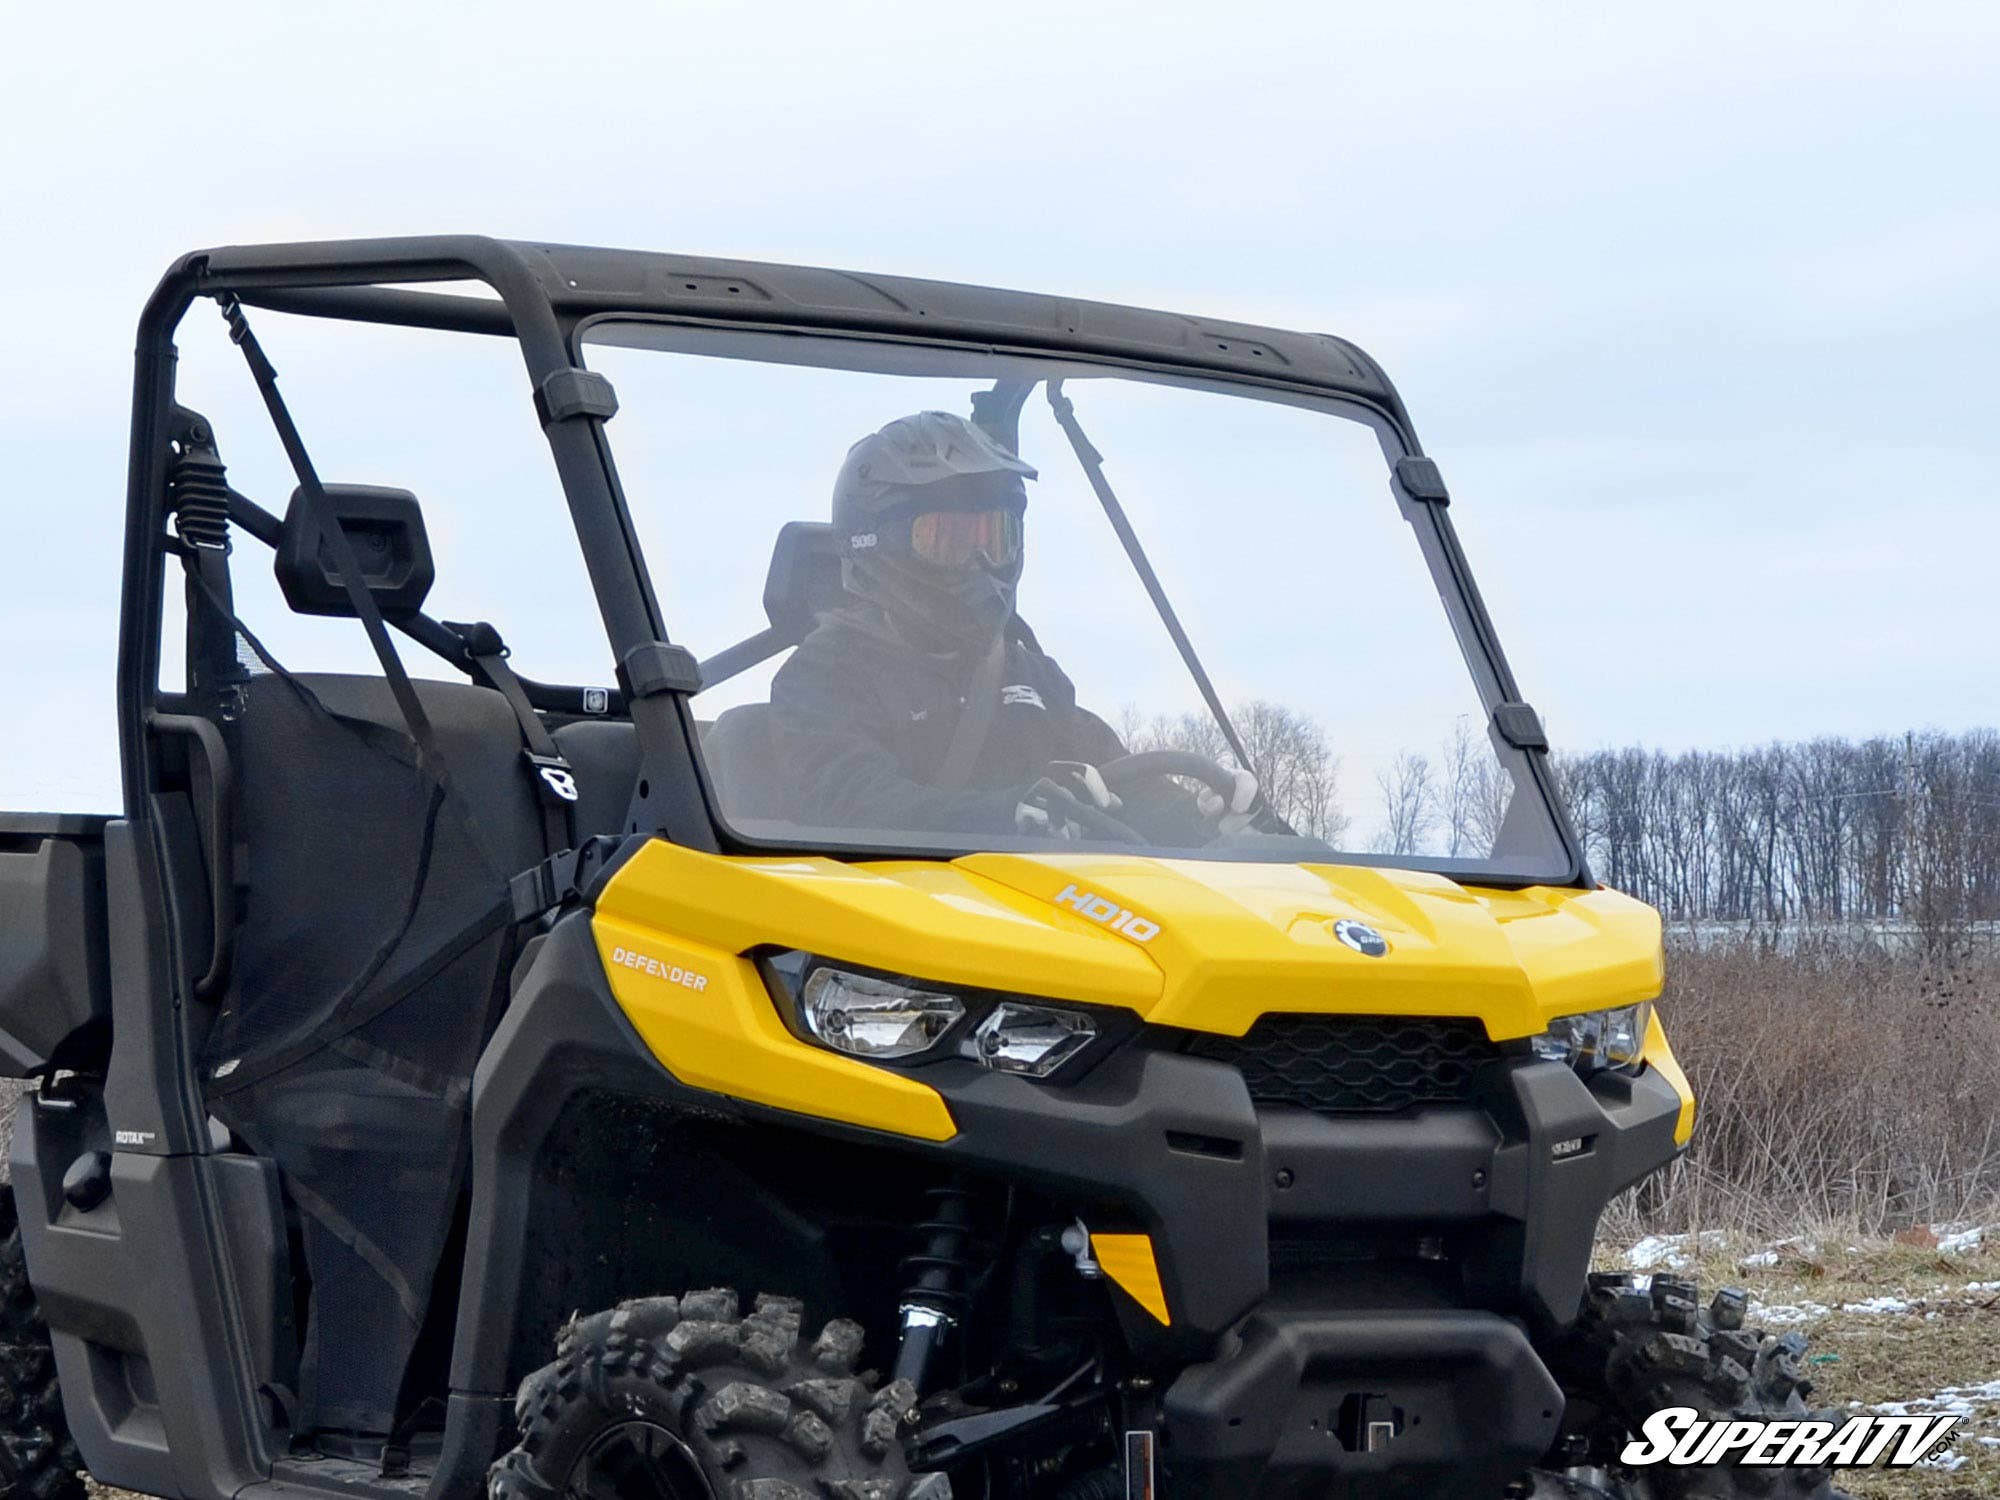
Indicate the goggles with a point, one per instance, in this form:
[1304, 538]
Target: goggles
[954, 538]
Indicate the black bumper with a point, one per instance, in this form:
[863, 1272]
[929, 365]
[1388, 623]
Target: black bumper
[1504, 1192]
[1445, 1403]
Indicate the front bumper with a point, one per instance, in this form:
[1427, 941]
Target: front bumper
[1505, 1190]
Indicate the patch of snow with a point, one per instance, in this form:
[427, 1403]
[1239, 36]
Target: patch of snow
[1877, 1305]
[1953, 1400]
[1958, 1238]
[1948, 1460]
[1672, 1252]
[1982, 1286]
[1788, 1314]
[1761, 1258]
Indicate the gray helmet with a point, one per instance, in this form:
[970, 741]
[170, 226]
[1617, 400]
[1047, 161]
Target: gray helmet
[931, 461]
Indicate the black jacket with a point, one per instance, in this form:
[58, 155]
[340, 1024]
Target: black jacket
[861, 723]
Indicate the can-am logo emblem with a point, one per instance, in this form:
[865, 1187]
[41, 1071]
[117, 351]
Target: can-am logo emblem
[1361, 937]
[1108, 913]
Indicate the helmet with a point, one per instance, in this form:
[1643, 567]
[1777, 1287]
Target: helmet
[927, 515]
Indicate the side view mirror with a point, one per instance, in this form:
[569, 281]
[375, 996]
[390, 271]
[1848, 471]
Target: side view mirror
[385, 528]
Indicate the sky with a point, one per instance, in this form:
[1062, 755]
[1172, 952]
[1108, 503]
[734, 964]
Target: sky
[1698, 306]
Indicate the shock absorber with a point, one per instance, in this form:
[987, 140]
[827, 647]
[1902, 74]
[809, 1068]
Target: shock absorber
[937, 1296]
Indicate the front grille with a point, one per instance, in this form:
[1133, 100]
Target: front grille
[1338, 1065]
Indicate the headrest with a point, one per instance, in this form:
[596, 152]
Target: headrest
[804, 579]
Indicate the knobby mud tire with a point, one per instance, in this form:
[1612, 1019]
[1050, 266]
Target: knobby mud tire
[1639, 1348]
[738, 1401]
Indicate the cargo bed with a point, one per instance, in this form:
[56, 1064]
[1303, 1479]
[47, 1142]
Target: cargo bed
[54, 980]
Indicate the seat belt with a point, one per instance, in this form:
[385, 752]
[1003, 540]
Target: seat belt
[334, 537]
[548, 768]
[968, 736]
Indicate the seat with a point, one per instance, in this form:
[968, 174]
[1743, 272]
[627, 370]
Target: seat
[603, 755]
[740, 761]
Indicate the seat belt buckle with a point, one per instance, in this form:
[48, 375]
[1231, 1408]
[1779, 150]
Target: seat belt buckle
[543, 887]
[555, 781]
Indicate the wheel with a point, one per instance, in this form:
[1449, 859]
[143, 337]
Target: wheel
[681, 1399]
[1638, 1349]
[37, 1459]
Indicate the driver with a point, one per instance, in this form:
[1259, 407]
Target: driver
[925, 703]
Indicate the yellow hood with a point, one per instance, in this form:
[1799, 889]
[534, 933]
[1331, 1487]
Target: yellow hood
[1233, 941]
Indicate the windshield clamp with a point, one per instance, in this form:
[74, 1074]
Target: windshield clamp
[1520, 726]
[575, 393]
[1422, 480]
[656, 668]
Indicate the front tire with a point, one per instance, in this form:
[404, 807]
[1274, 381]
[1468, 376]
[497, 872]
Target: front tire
[681, 1399]
[1637, 1349]
[37, 1459]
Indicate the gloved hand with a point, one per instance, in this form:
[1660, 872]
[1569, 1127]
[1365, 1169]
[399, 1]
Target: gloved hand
[1234, 815]
[1051, 800]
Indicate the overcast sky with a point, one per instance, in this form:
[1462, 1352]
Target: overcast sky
[1698, 305]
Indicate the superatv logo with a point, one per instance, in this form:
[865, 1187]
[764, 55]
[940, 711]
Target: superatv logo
[1681, 1436]
[1103, 910]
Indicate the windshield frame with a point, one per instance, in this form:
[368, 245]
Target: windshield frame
[1437, 539]
[543, 294]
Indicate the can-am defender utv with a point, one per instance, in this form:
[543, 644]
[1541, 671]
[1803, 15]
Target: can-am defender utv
[736, 1085]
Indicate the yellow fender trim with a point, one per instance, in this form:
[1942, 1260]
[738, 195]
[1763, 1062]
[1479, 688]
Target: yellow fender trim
[1128, 1260]
[707, 1017]
[1659, 1055]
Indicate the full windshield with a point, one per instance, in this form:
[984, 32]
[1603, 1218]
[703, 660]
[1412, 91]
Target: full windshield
[951, 600]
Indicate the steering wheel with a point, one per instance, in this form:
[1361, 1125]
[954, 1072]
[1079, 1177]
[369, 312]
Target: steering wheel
[1128, 771]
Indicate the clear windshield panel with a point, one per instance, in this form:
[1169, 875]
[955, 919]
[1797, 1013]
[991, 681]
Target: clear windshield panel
[971, 658]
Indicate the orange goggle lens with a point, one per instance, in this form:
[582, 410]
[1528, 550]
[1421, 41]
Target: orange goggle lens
[953, 538]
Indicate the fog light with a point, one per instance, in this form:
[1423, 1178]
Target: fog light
[1597, 1039]
[869, 1017]
[1032, 1040]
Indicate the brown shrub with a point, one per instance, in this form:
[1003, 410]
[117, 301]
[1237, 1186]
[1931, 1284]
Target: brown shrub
[1837, 1082]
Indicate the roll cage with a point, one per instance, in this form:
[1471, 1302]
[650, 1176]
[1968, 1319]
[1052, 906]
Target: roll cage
[546, 295]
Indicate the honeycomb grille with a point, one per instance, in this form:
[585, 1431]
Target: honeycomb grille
[1340, 1065]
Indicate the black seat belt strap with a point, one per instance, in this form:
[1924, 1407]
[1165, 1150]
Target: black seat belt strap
[554, 778]
[333, 536]
[975, 719]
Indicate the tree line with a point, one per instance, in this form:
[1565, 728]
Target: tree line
[1895, 828]
[1816, 831]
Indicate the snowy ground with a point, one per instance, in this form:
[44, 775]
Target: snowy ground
[1903, 1328]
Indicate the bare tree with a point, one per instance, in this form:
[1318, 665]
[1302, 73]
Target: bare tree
[1410, 804]
[1296, 766]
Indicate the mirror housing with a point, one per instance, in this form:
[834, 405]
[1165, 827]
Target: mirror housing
[386, 529]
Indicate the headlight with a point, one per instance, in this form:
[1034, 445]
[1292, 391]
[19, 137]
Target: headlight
[896, 1019]
[1597, 1039]
[869, 1017]
[1030, 1039]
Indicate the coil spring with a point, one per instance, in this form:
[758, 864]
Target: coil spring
[939, 1271]
[199, 494]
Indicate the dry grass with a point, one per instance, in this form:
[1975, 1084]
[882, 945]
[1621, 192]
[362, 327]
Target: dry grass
[1837, 1083]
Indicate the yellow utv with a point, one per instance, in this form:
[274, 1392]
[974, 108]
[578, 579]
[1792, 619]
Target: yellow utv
[1027, 946]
